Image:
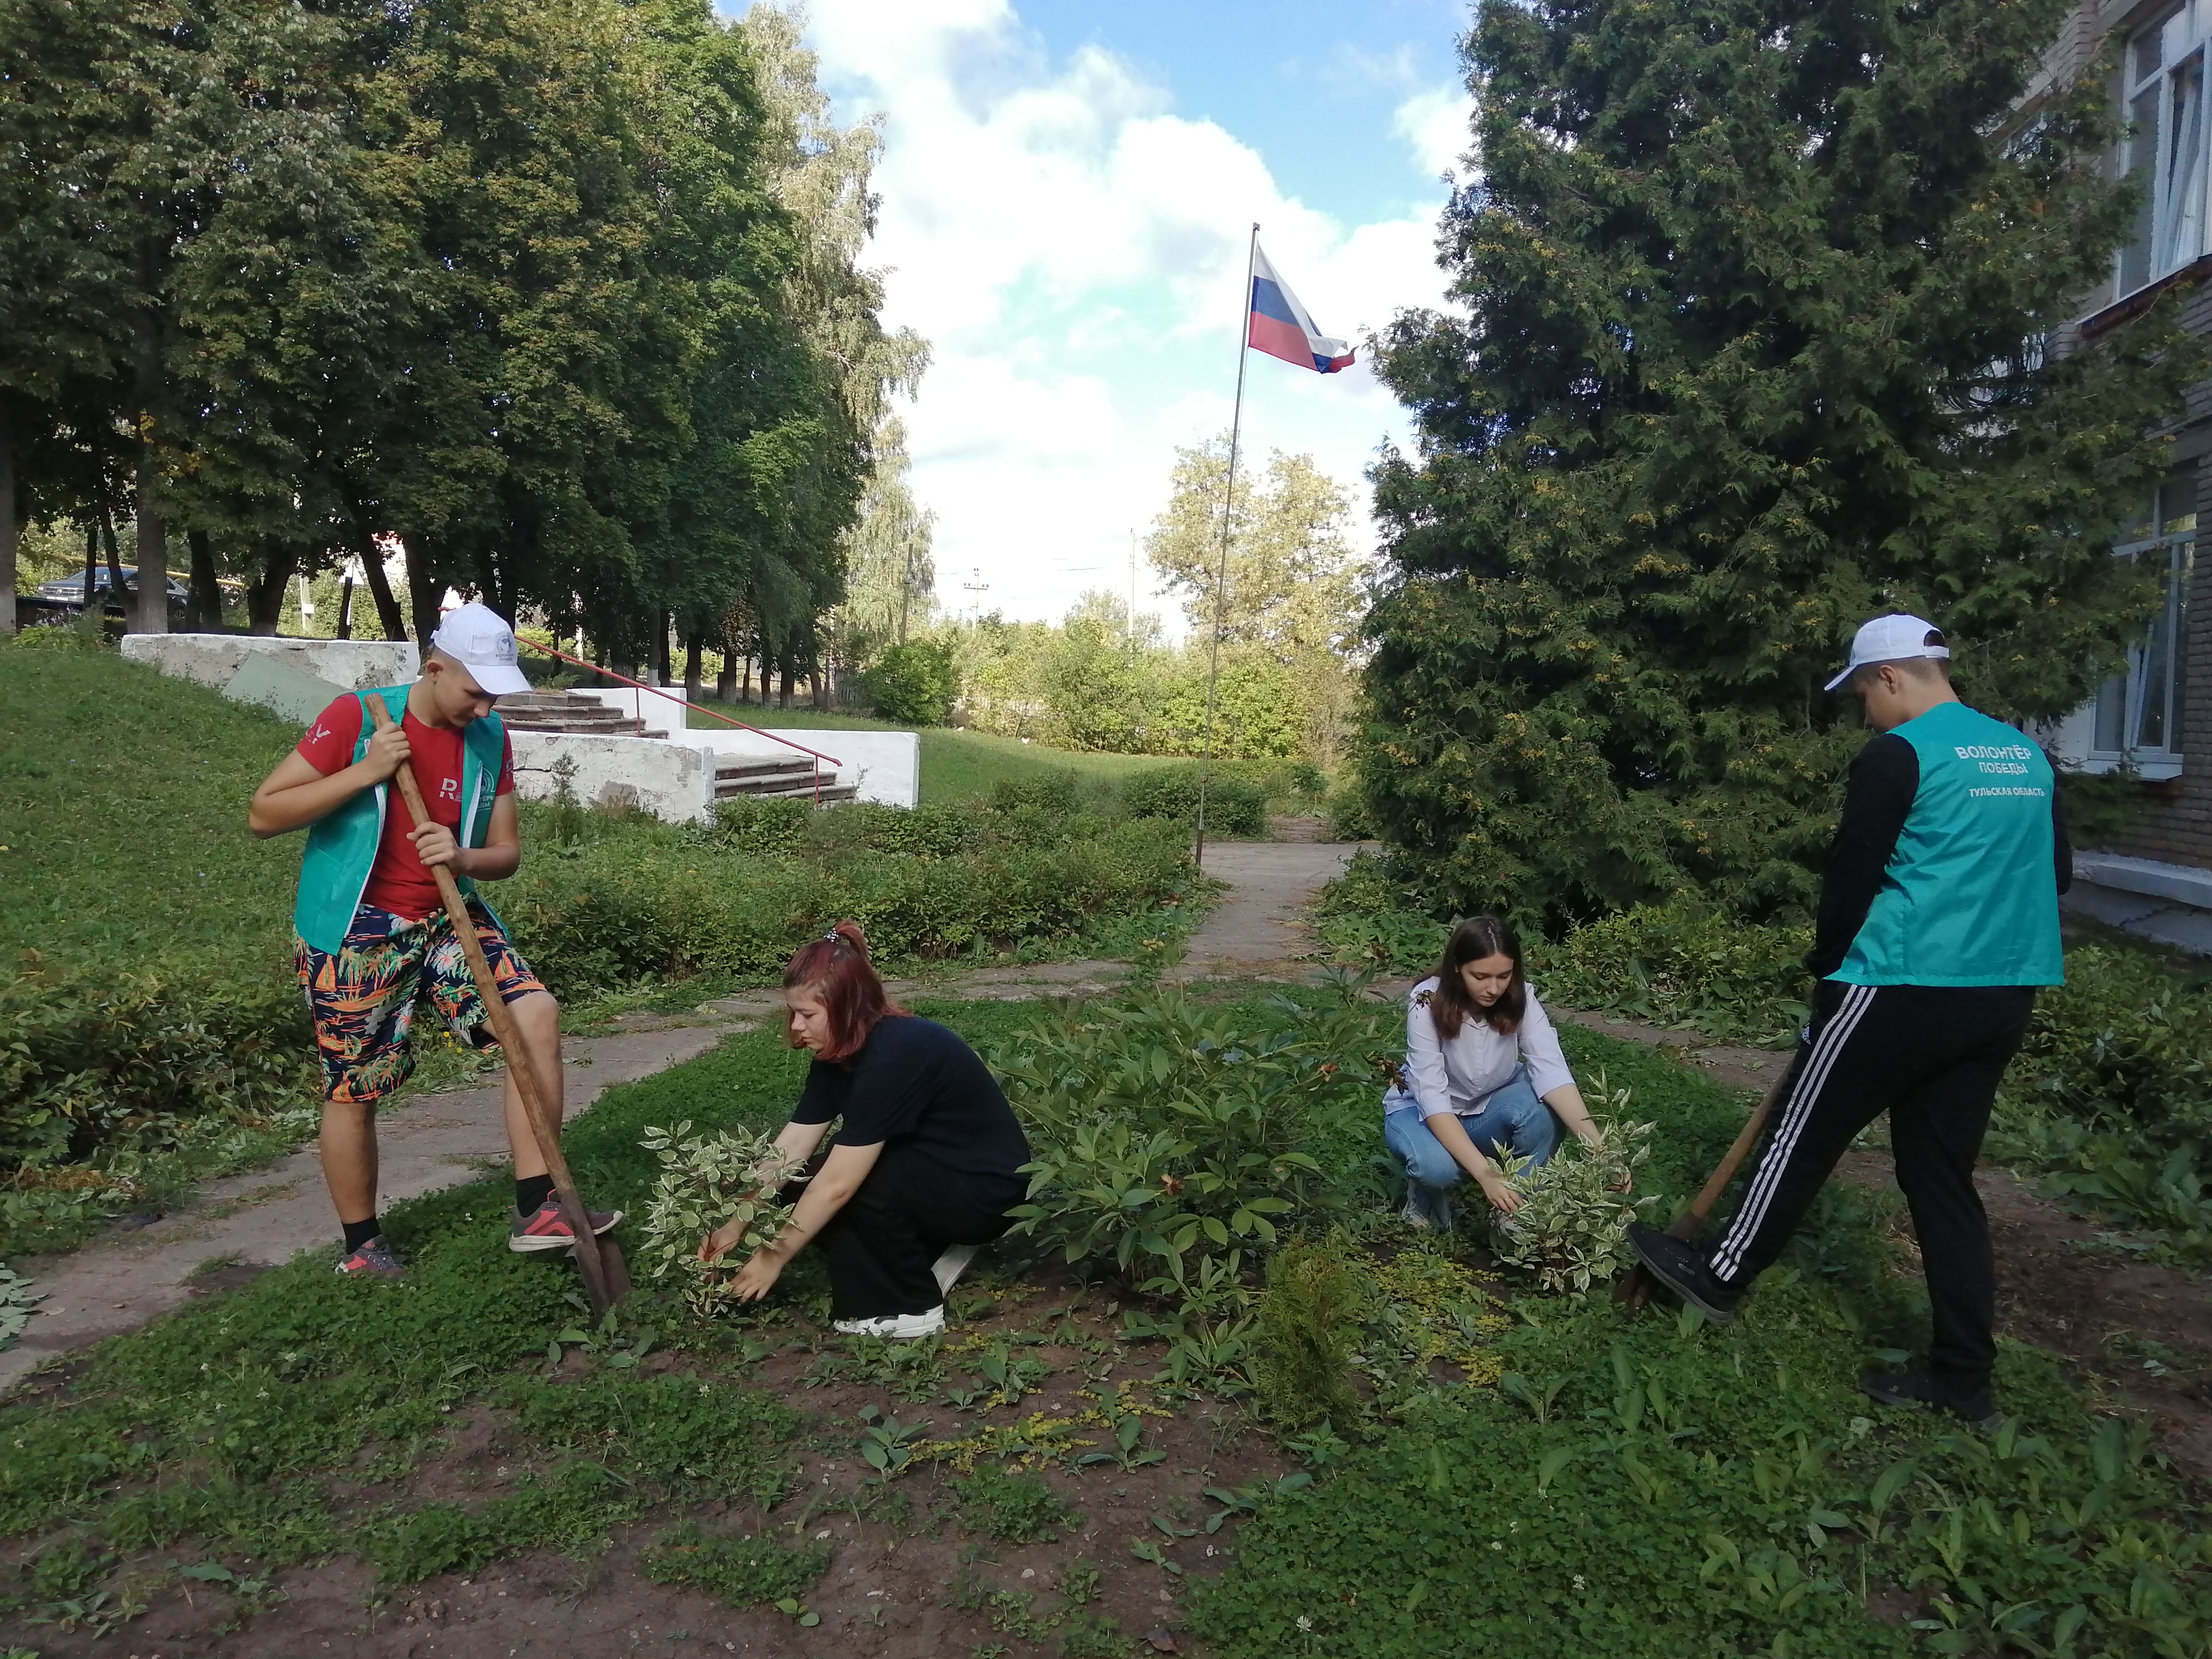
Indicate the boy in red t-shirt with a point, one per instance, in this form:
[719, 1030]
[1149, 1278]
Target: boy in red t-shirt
[395, 949]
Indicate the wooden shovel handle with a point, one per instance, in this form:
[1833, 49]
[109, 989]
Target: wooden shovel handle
[542, 1129]
[1687, 1224]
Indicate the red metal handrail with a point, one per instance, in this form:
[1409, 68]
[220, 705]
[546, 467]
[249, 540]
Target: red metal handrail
[658, 692]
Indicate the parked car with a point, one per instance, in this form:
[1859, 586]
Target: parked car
[69, 590]
[60, 602]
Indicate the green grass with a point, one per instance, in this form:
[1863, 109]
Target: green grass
[123, 802]
[1642, 1488]
[957, 765]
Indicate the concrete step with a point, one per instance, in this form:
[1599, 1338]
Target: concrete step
[831, 793]
[763, 766]
[567, 713]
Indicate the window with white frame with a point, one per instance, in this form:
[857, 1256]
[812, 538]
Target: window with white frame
[2137, 717]
[2162, 101]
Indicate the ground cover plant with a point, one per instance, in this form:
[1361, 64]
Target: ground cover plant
[150, 1032]
[1490, 1468]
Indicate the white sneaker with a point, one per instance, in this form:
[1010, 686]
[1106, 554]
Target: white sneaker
[1414, 1216]
[954, 1262]
[897, 1328]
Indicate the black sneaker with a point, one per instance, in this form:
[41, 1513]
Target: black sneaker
[1680, 1265]
[1925, 1389]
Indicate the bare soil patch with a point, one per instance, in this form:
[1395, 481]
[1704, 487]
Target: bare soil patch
[910, 1574]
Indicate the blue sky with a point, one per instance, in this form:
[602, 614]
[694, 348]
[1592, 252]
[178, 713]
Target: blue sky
[1065, 190]
[1313, 87]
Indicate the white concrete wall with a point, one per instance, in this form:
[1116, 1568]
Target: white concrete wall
[214, 660]
[883, 766]
[674, 782]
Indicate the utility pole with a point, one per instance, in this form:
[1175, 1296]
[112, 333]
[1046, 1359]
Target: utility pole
[979, 587]
[1133, 592]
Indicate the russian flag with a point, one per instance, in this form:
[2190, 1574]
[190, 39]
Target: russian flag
[1281, 328]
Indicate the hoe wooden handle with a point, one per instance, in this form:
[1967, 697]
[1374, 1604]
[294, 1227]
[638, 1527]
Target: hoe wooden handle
[1692, 1219]
[600, 1284]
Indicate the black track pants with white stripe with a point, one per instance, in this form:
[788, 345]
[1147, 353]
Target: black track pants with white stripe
[1930, 1056]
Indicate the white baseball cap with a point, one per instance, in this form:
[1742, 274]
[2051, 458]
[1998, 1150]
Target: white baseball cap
[1891, 638]
[477, 637]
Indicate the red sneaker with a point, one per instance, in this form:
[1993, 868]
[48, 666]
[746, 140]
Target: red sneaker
[547, 1229]
[373, 1260]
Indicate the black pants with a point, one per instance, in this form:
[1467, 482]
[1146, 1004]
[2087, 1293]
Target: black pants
[883, 1243]
[1931, 1056]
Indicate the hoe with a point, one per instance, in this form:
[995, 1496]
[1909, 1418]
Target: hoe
[606, 1277]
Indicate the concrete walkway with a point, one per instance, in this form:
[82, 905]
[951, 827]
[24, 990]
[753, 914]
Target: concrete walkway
[261, 1219]
[264, 1217]
[1259, 926]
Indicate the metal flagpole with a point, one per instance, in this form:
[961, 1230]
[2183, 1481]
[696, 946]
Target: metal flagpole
[1228, 506]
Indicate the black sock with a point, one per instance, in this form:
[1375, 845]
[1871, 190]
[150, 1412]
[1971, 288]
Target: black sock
[531, 1192]
[358, 1233]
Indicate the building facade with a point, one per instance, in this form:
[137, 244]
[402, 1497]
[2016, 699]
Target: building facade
[2157, 878]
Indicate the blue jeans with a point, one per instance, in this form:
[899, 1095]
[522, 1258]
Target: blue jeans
[1514, 1120]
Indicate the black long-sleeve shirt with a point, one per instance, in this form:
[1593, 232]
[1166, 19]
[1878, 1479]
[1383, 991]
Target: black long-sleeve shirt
[1885, 778]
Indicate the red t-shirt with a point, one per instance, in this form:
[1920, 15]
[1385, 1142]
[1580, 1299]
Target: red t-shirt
[399, 881]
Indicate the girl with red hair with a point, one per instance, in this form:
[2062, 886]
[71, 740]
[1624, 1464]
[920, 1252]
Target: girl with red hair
[924, 1170]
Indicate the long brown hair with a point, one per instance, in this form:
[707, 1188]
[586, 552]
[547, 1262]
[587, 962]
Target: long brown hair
[837, 966]
[1472, 941]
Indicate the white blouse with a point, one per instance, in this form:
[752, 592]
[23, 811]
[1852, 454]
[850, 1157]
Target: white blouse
[1460, 1076]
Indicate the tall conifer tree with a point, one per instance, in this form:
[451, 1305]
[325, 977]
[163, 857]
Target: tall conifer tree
[1756, 295]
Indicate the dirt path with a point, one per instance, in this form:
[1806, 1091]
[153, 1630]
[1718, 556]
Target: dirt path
[2141, 1332]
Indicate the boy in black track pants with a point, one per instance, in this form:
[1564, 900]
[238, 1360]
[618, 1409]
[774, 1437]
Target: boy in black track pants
[1939, 917]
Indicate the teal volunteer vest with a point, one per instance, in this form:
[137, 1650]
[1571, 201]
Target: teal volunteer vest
[1968, 897]
[342, 847]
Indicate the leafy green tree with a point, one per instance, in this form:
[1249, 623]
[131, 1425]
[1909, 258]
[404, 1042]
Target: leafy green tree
[1754, 294]
[819, 174]
[1292, 592]
[890, 580]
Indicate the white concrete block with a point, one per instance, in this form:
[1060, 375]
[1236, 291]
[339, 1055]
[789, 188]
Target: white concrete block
[2181, 884]
[674, 782]
[883, 766]
[285, 692]
[214, 660]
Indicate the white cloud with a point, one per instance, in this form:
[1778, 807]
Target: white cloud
[1434, 124]
[1074, 252]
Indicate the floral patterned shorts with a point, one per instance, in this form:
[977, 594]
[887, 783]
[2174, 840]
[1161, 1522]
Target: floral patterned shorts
[363, 996]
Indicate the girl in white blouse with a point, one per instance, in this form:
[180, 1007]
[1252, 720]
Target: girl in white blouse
[1483, 1077]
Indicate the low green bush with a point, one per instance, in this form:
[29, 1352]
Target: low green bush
[1233, 806]
[1690, 970]
[1369, 918]
[1308, 1326]
[93, 1059]
[2110, 1097]
[1169, 1136]
[915, 683]
[1052, 793]
[660, 903]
